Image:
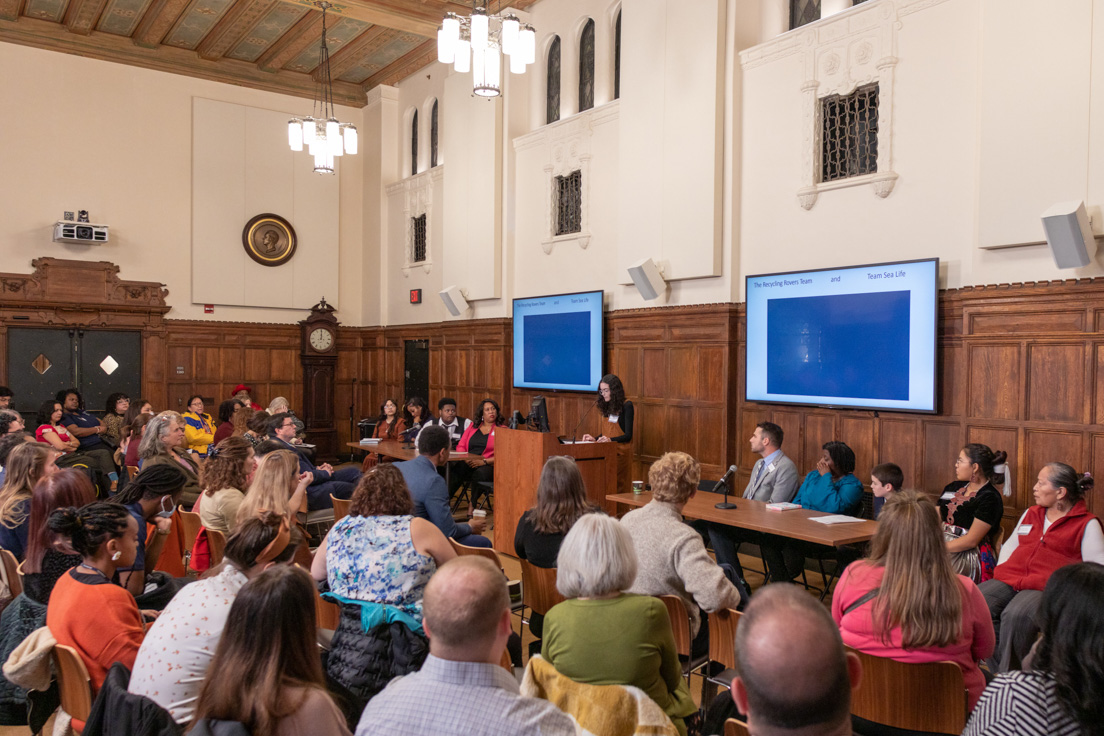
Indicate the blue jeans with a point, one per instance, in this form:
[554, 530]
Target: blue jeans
[474, 540]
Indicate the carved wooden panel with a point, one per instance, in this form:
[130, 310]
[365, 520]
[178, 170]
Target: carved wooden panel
[1042, 446]
[819, 428]
[994, 381]
[858, 433]
[1057, 389]
[942, 442]
[899, 442]
[1004, 321]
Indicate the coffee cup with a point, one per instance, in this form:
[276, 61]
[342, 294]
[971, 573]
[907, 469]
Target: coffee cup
[638, 486]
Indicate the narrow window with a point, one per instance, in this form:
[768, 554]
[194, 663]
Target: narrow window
[552, 95]
[803, 11]
[419, 225]
[414, 144]
[849, 134]
[433, 136]
[569, 203]
[617, 57]
[586, 67]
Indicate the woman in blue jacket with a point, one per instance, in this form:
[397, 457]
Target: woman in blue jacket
[832, 488]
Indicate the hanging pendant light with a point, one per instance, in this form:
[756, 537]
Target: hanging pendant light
[321, 132]
[478, 42]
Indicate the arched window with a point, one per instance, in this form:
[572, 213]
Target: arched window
[617, 57]
[433, 136]
[552, 89]
[586, 67]
[414, 144]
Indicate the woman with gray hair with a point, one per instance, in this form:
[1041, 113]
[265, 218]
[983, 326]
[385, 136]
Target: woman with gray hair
[163, 444]
[280, 405]
[605, 636]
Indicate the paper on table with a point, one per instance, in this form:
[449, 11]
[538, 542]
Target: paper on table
[836, 519]
[370, 441]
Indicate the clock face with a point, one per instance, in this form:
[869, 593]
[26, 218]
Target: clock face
[321, 339]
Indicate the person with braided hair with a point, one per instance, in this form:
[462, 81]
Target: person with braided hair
[178, 648]
[151, 497]
[87, 611]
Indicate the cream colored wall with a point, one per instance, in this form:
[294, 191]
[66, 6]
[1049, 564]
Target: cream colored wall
[117, 141]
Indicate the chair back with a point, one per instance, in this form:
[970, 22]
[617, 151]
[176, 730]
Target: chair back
[680, 623]
[538, 587]
[463, 549]
[327, 613]
[341, 507]
[132, 470]
[73, 682]
[189, 528]
[722, 636]
[733, 726]
[506, 663]
[216, 542]
[887, 695]
[12, 575]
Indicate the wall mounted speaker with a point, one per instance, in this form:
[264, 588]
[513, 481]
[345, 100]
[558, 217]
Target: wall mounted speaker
[454, 300]
[648, 279]
[1069, 234]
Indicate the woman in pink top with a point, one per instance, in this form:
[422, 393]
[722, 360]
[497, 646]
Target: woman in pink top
[906, 603]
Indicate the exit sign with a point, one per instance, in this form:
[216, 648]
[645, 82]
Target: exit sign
[415, 296]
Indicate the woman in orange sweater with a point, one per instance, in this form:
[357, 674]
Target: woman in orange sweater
[87, 610]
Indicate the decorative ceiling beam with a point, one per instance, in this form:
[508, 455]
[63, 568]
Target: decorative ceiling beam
[81, 15]
[107, 47]
[10, 9]
[403, 17]
[351, 53]
[306, 31]
[232, 27]
[404, 66]
[156, 22]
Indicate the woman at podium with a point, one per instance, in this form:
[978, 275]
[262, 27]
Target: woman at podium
[616, 409]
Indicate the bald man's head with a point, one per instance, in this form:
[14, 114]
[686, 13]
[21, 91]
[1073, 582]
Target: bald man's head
[463, 604]
[791, 663]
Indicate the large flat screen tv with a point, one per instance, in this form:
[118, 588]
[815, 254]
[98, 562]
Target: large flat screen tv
[558, 342]
[860, 337]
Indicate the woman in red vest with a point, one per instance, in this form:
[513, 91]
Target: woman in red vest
[1057, 531]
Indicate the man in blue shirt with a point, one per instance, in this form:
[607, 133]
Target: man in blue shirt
[429, 491]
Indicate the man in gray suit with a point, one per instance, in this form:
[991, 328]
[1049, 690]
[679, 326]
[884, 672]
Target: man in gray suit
[428, 489]
[774, 479]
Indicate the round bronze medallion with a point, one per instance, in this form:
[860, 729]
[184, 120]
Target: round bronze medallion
[269, 240]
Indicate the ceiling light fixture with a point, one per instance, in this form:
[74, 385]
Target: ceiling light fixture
[324, 136]
[474, 43]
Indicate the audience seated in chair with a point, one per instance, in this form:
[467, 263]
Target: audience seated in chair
[9, 442]
[906, 603]
[242, 393]
[224, 480]
[28, 463]
[324, 479]
[462, 688]
[114, 418]
[561, 501]
[1058, 530]
[972, 510]
[793, 675]
[163, 444]
[1062, 693]
[430, 492]
[672, 556]
[176, 653]
[266, 673]
[479, 439]
[277, 484]
[377, 562]
[604, 636]
[226, 412]
[11, 421]
[832, 488]
[89, 432]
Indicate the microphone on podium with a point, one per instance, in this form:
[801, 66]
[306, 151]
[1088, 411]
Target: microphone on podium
[724, 482]
[585, 413]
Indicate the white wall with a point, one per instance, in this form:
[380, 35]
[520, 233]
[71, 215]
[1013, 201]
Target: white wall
[117, 141]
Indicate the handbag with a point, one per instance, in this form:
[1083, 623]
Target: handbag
[966, 562]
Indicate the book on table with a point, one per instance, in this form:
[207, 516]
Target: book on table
[783, 506]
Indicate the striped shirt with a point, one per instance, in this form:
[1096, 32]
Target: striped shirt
[1021, 704]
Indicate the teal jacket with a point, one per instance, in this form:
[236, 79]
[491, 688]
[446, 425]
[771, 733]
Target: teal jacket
[819, 493]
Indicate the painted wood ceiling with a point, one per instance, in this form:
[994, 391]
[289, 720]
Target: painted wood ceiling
[265, 44]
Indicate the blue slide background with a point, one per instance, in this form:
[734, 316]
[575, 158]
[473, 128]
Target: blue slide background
[557, 348]
[853, 345]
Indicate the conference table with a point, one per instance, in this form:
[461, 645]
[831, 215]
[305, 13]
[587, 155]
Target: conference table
[406, 451]
[754, 515]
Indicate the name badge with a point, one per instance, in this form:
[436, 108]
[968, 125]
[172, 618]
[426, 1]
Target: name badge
[947, 496]
[613, 418]
[771, 468]
[1023, 529]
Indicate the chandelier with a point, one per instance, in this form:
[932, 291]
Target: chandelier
[322, 133]
[474, 44]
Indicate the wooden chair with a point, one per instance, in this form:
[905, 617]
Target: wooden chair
[216, 542]
[680, 625]
[887, 695]
[12, 575]
[340, 507]
[463, 549]
[722, 644]
[733, 726]
[189, 529]
[73, 682]
[538, 587]
[132, 470]
[328, 615]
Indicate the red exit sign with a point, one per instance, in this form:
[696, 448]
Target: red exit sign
[415, 296]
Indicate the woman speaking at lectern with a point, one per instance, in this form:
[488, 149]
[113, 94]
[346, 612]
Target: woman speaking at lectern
[616, 409]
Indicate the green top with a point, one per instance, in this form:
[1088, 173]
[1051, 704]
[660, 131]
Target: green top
[619, 641]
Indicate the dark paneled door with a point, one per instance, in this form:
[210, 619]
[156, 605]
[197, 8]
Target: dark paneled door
[42, 362]
[416, 373]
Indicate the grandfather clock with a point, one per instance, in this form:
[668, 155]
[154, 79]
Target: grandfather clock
[318, 354]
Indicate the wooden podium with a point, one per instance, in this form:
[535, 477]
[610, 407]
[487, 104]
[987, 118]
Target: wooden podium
[519, 458]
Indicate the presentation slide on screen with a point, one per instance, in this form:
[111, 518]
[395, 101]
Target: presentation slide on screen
[558, 342]
[844, 337]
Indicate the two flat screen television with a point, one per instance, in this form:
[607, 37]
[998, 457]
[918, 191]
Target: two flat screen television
[861, 337]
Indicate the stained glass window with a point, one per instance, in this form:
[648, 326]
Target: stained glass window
[586, 67]
[849, 134]
[569, 203]
[419, 225]
[552, 95]
[803, 11]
